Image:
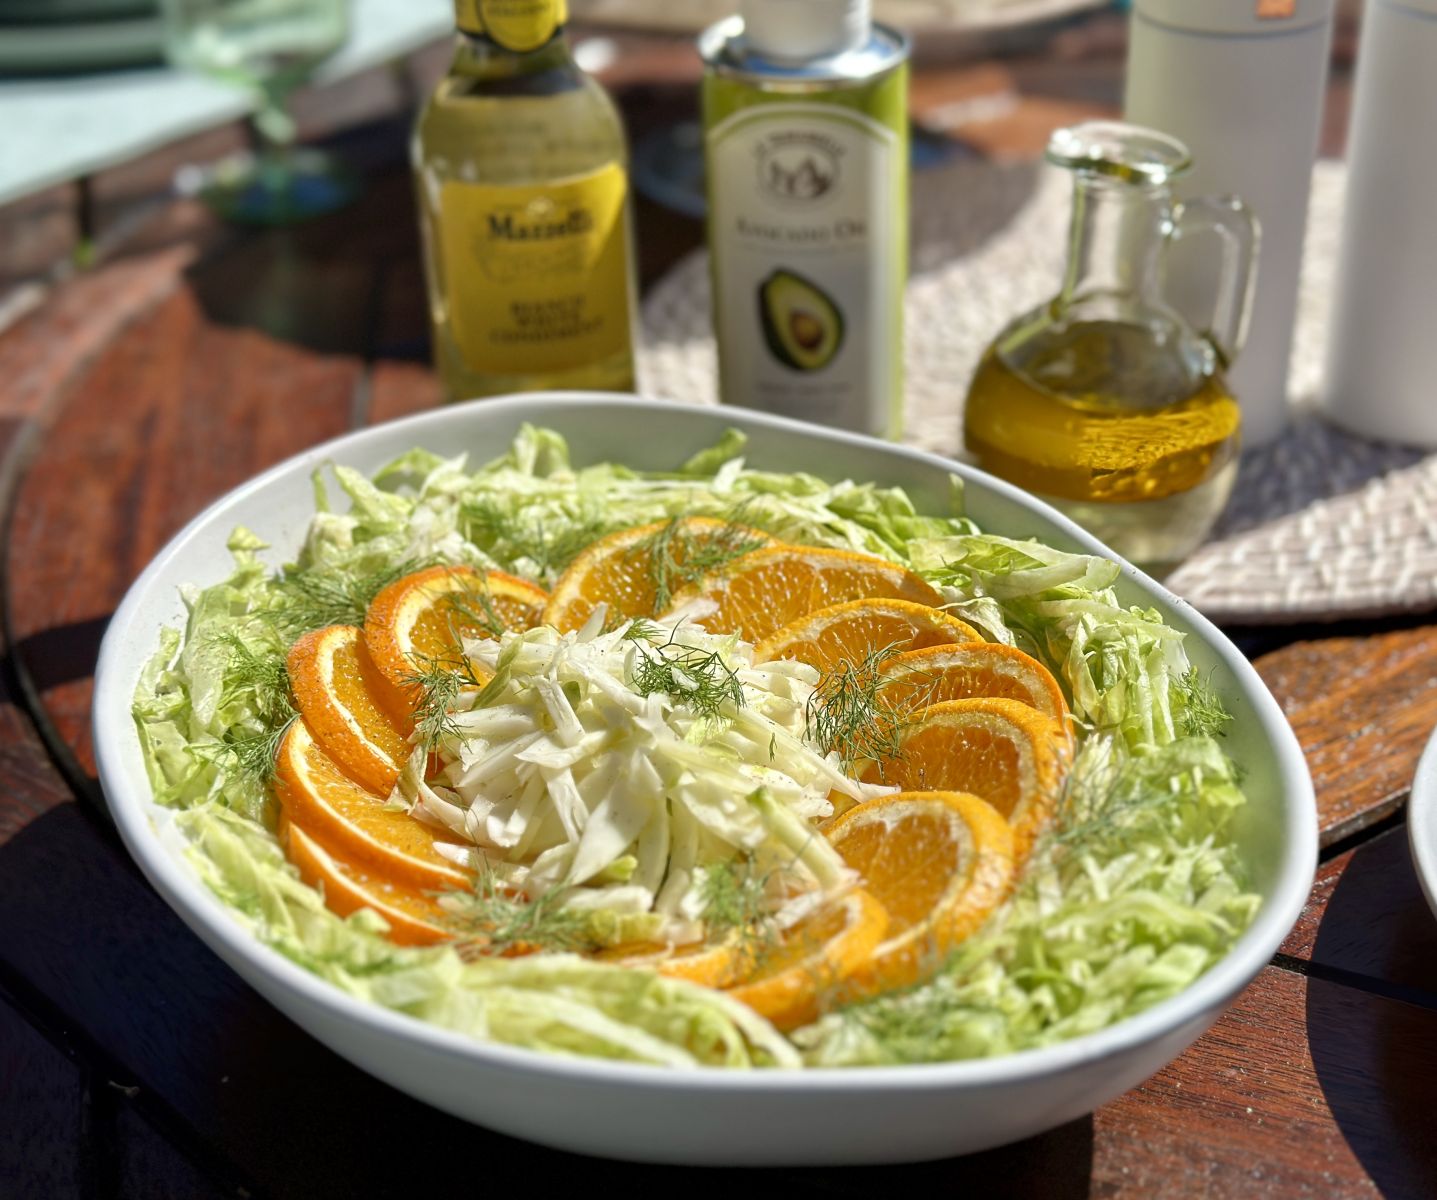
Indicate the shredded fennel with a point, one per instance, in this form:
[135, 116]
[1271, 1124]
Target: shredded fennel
[570, 770]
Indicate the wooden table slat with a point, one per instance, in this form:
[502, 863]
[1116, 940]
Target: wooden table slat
[163, 422]
[1363, 709]
[1367, 921]
[1303, 1088]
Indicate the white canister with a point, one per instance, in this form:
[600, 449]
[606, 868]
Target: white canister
[1382, 349]
[1241, 82]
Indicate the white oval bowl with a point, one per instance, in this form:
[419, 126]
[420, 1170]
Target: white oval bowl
[618, 1110]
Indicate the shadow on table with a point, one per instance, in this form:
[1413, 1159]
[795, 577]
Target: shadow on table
[345, 283]
[245, 1094]
[1056, 1165]
[1372, 1017]
[960, 204]
[1311, 461]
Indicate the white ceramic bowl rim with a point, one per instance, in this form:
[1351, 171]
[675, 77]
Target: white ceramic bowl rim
[1422, 821]
[131, 806]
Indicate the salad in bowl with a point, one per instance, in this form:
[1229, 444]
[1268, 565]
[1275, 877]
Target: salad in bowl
[705, 767]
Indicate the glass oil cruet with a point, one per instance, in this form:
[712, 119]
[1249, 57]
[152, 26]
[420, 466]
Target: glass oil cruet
[1105, 401]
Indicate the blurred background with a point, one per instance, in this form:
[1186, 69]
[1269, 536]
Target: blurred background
[104, 146]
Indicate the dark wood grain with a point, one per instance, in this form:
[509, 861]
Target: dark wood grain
[1363, 709]
[146, 1163]
[1303, 1088]
[47, 348]
[165, 419]
[36, 232]
[29, 784]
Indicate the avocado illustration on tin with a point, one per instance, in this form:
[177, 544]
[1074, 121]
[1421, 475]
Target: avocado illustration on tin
[801, 324]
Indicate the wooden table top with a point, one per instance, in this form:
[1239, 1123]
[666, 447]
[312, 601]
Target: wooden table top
[134, 1063]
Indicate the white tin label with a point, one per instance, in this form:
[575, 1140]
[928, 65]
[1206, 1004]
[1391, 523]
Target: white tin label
[805, 246]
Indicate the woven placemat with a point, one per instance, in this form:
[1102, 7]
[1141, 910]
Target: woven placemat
[1321, 525]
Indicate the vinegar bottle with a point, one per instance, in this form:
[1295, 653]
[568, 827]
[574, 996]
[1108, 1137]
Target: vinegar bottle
[523, 189]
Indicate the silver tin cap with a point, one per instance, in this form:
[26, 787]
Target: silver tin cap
[728, 49]
[1243, 18]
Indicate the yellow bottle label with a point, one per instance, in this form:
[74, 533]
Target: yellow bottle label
[519, 25]
[536, 278]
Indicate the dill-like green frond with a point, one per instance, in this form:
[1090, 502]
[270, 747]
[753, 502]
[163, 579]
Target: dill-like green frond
[734, 896]
[1199, 710]
[493, 919]
[508, 538]
[679, 556]
[737, 908]
[440, 681]
[642, 631]
[699, 679]
[259, 681]
[473, 608]
[320, 596]
[251, 757]
[848, 713]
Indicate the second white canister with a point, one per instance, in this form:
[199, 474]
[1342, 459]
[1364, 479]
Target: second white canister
[1382, 349]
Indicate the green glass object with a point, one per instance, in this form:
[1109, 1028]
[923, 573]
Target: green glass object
[271, 47]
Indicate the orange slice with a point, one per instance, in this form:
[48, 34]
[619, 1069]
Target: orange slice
[338, 691]
[919, 678]
[793, 979]
[315, 794]
[853, 631]
[760, 593]
[939, 862]
[707, 964]
[1006, 752]
[420, 618]
[414, 918]
[620, 570]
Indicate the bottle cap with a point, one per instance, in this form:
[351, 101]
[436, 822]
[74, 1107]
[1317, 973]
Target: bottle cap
[794, 30]
[521, 26]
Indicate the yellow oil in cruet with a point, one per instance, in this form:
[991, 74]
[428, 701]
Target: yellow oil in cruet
[1105, 401]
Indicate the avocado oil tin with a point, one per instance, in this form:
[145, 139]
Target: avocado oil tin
[806, 149]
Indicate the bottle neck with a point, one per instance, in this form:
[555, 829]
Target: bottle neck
[1116, 239]
[478, 56]
[506, 38]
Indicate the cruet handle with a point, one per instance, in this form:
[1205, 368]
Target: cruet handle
[1238, 231]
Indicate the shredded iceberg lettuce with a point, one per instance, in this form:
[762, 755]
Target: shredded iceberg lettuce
[530, 512]
[1137, 891]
